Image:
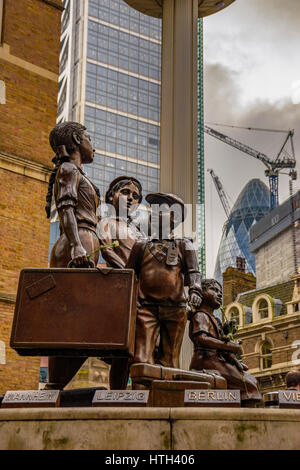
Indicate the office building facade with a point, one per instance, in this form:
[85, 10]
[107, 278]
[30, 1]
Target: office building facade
[110, 80]
[111, 66]
[268, 314]
[275, 243]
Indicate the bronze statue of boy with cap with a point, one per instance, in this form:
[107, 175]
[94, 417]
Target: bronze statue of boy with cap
[164, 265]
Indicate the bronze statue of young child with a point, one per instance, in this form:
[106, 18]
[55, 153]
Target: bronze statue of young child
[213, 347]
[124, 195]
[76, 200]
[164, 265]
[76, 197]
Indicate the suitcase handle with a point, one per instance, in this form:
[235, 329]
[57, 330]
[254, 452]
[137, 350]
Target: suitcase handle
[105, 271]
[91, 264]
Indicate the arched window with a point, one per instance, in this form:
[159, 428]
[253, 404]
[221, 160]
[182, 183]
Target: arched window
[263, 309]
[266, 355]
[235, 311]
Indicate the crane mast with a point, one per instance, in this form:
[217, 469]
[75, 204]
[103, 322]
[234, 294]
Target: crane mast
[225, 203]
[220, 191]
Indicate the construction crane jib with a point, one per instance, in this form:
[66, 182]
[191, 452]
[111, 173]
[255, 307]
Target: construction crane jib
[282, 161]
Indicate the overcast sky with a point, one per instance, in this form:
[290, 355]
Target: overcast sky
[251, 78]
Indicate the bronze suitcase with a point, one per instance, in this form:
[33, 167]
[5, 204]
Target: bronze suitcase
[75, 312]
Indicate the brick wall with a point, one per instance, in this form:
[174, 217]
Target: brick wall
[31, 39]
[32, 29]
[235, 282]
[18, 373]
[30, 114]
[281, 339]
[24, 229]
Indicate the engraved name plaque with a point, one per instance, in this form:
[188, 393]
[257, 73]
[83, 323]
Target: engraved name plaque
[31, 399]
[220, 398]
[283, 399]
[121, 398]
[289, 398]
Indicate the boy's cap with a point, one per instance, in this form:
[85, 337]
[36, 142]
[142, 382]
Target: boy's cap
[166, 198]
[118, 180]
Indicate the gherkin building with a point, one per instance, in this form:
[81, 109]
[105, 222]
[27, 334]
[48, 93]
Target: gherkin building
[252, 204]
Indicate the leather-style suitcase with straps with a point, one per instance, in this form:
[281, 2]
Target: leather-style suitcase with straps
[75, 312]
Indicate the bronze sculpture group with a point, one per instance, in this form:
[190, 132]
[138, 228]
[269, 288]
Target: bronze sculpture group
[164, 265]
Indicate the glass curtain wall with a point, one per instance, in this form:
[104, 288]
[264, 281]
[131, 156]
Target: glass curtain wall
[252, 205]
[110, 80]
[122, 107]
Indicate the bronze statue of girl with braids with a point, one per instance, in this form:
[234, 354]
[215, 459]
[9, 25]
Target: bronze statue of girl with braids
[76, 199]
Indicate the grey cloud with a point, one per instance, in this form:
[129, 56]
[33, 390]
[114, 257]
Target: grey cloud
[221, 92]
[222, 105]
[281, 12]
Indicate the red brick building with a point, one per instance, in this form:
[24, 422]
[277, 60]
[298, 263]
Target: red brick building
[29, 67]
[236, 281]
[269, 326]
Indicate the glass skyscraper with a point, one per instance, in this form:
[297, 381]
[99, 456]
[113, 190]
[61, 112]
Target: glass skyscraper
[116, 67]
[110, 80]
[252, 205]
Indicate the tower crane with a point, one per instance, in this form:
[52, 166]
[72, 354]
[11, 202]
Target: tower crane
[282, 161]
[226, 207]
[220, 191]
